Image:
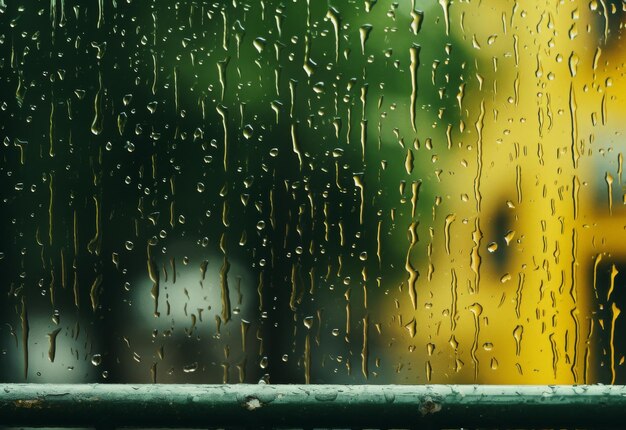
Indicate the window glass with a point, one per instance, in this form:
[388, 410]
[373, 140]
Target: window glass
[312, 191]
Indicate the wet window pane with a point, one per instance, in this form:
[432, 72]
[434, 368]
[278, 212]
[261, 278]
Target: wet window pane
[312, 191]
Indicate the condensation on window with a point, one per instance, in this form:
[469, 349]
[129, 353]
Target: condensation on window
[312, 191]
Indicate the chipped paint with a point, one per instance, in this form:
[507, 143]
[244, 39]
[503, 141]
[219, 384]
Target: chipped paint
[252, 403]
